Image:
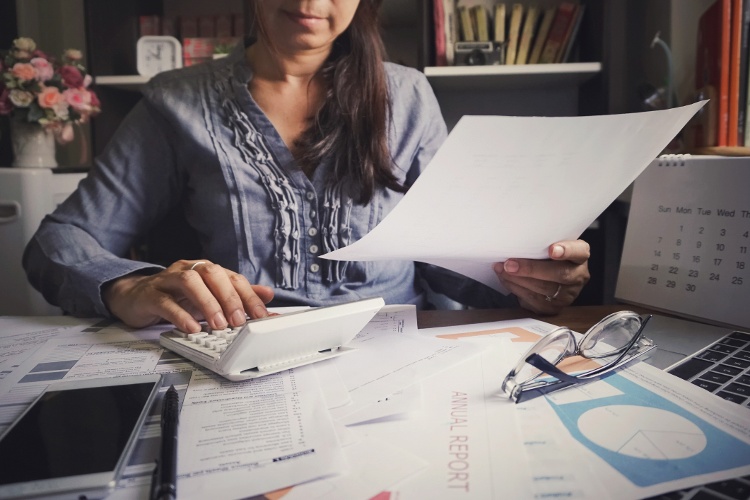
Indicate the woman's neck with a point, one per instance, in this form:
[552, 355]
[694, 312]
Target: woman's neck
[277, 66]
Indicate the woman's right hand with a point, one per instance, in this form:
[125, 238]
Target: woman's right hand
[185, 293]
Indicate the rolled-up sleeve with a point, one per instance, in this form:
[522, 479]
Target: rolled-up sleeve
[84, 243]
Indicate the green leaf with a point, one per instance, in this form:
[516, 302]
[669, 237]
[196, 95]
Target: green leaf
[35, 112]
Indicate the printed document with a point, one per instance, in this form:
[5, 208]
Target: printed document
[638, 433]
[300, 441]
[239, 439]
[503, 187]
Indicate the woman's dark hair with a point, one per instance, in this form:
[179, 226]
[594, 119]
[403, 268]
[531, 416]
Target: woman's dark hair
[351, 127]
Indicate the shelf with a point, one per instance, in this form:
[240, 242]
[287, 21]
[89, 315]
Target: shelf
[124, 82]
[723, 151]
[500, 77]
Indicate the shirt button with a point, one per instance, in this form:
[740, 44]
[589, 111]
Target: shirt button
[312, 231]
[314, 268]
[313, 248]
[313, 213]
[310, 195]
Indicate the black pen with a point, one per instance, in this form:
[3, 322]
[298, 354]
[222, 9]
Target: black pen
[164, 482]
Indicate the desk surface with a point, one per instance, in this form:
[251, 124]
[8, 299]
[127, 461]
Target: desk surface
[578, 318]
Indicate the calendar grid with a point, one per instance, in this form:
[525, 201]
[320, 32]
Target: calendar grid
[686, 246]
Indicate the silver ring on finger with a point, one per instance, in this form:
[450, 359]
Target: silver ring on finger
[549, 298]
[192, 268]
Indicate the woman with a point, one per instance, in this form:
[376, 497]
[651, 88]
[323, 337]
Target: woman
[296, 144]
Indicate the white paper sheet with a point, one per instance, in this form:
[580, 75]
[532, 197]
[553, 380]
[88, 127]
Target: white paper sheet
[387, 363]
[463, 433]
[241, 439]
[391, 357]
[503, 187]
[375, 466]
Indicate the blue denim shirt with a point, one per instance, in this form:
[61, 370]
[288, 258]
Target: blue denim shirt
[197, 138]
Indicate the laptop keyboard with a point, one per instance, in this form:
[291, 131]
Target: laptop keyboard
[722, 368]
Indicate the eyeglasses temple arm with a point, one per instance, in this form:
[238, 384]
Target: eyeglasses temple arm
[542, 364]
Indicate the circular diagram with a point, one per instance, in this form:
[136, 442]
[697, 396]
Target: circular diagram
[642, 432]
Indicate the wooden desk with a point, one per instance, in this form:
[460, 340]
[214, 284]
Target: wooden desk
[577, 318]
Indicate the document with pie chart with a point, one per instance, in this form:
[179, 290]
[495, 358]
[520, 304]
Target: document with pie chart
[659, 437]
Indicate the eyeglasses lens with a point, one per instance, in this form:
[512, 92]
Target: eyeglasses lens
[611, 335]
[552, 348]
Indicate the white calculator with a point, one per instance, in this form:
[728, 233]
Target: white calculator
[276, 343]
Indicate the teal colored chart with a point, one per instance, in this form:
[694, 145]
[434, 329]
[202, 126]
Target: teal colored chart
[649, 439]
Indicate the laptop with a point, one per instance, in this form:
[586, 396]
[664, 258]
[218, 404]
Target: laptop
[685, 254]
[715, 358]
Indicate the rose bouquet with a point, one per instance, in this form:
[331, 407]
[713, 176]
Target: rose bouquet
[37, 89]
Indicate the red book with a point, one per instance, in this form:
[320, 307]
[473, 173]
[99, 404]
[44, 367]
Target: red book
[726, 25]
[557, 32]
[712, 73]
[734, 74]
[438, 16]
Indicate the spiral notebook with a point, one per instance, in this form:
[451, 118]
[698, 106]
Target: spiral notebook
[687, 239]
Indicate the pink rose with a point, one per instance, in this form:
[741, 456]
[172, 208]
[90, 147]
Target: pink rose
[49, 97]
[39, 53]
[44, 70]
[71, 76]
[78, 99]
[95, 103]
[6, 107]
[24, 71]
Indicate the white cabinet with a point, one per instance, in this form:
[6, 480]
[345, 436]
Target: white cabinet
[26, 196]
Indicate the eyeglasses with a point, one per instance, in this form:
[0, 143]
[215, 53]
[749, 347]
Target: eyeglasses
[612, 343]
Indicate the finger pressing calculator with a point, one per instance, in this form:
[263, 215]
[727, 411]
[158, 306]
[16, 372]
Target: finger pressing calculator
[275, 343]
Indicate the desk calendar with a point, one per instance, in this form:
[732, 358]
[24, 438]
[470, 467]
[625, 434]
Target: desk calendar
[687, 239]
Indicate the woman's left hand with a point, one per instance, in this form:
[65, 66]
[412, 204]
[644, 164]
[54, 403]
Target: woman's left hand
[546, 286]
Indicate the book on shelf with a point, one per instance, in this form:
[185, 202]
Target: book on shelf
[726, 26]
[482, 22]
[735, 44]
[514, 32]
[499, 21]
[556, 37]
[712, 74]
[570, 38]
[742, 128]
[447, 31]
[541, 36]
[527, 35]
[438, 18]
[467, 25]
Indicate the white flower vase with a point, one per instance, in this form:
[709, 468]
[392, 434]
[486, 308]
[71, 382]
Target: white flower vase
[33, 145]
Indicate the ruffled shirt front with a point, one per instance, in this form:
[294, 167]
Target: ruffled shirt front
[198, 141]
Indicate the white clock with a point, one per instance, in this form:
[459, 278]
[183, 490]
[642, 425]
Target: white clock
[157, 54]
